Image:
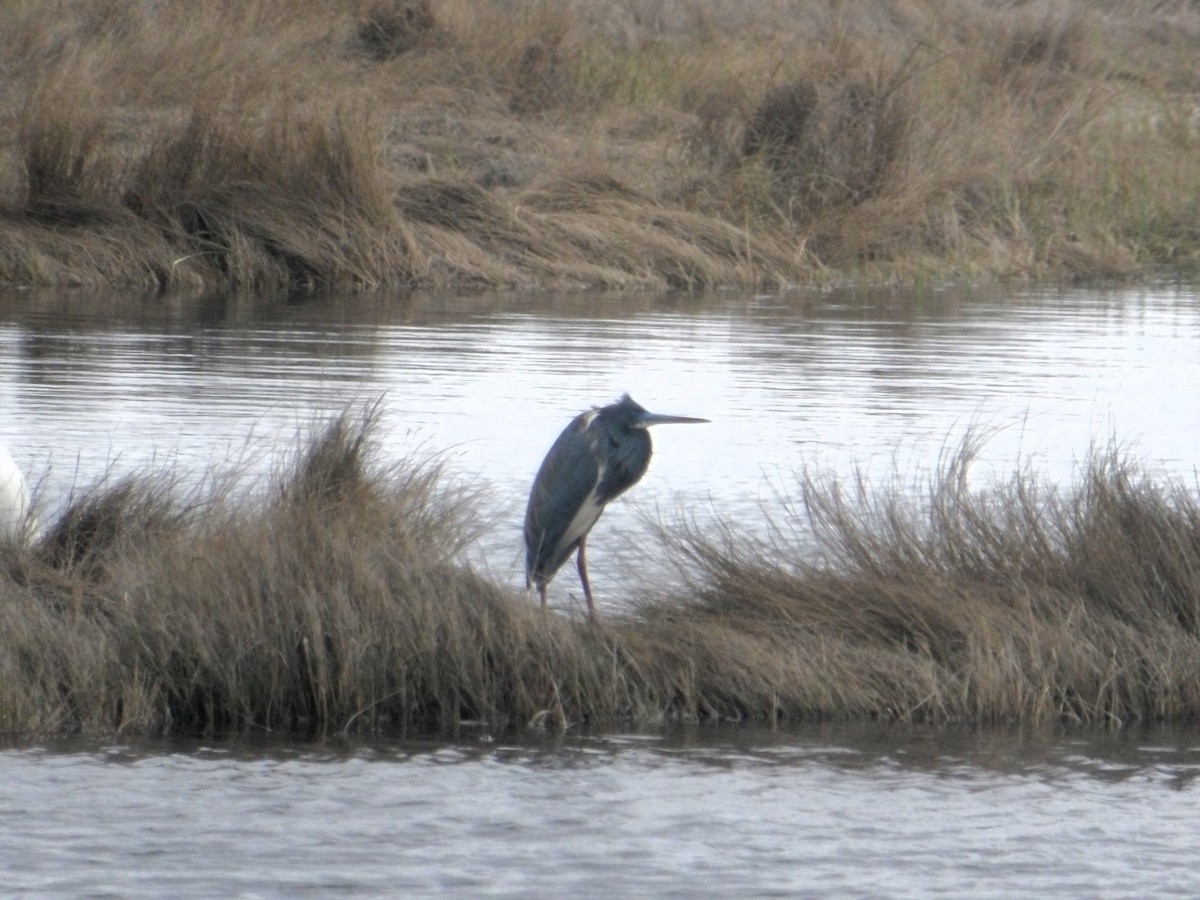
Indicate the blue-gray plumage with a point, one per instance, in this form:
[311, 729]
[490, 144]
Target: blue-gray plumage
[600, 455]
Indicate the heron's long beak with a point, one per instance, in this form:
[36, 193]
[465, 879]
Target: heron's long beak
[648, 419]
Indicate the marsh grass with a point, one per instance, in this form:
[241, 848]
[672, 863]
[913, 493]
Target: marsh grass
[334, 599]
[436, 142]
[1016, 601]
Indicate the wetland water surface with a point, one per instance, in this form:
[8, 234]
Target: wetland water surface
[90, 384]
[831, 811]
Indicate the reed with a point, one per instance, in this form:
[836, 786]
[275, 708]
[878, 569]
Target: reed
[371, 143]
[1017, 601]
[333, 599]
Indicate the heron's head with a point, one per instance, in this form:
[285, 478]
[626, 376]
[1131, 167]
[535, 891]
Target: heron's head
[634, 415]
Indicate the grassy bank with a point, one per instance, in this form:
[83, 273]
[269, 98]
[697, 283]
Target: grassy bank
[333, 600]
[288, 143]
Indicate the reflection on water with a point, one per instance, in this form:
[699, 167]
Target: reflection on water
[845, 811]
[92, 382]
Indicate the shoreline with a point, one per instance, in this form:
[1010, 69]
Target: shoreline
[450, 145]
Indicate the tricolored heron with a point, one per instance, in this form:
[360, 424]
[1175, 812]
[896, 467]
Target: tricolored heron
[599, 456]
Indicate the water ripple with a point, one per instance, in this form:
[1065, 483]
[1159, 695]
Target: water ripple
[852, 811]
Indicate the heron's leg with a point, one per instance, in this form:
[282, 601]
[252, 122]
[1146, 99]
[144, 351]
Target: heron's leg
[581, 561]
[541, 589]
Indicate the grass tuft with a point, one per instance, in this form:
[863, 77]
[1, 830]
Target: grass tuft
[1012, 602]
[337, 601]
[391, 28]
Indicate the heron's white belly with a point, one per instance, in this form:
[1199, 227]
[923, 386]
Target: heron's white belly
[581, 523]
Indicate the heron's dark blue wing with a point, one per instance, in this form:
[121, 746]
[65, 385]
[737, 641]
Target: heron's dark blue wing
[562, 505]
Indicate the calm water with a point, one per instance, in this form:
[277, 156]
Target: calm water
[882, 383]
[824, 812]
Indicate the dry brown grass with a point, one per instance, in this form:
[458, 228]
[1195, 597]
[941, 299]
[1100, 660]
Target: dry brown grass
[424, 142]
[334, 599]
[1016, 601]
[391, 28]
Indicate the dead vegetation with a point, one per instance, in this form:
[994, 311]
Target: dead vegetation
[663, 142]
[335, 599]
[391, 28]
